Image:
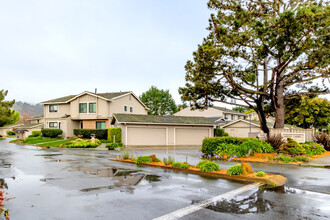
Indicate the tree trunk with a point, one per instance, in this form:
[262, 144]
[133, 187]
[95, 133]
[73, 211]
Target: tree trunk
[279, 106]
[262, 118]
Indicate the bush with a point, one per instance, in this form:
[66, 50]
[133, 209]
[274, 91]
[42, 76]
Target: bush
[112, 146]
[235, 170]
[11, 133]
[177, 164]
[86, 133]
[258, 146]
[169, 160]
[80, 143]
[323, 139]
[35, 134]
[125, 154]
[313, 148]
[143, 159]
[231, 150]
[50, 132]
[290, 158]
[276, 141]
[261, 174]
[185, 166]
[114, 132]
[208, 166]
[292, 147]
[210, 144]
[219, 132]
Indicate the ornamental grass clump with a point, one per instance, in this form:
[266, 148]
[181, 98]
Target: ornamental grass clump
[143, 159]
[125, 155]
[208, 166]
[169, 160]
[235, 170]
[261, 174]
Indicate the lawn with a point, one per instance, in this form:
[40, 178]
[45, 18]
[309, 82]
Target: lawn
[55, 143]
[37, 140]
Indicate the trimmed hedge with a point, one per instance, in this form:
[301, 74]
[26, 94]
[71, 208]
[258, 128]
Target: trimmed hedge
[114, 132]
[51, 132]
[36, 133]
[11, 133]
[219, 132]
[210, 144]
[86, 133]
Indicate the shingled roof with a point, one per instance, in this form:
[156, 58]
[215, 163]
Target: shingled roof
[69, 97]
[158, 119]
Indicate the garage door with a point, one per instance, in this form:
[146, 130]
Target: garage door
[146, 136]
[190, 136]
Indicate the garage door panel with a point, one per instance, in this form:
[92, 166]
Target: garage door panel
[190, 136]
[146, 136]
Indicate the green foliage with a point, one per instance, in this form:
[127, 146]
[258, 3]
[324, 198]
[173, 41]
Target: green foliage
[36, 133]
[177, 164]
[292, 147]
[50, 132]
[86, 133]
[143, 159]
[81, 143]
[235, 170]
[37, 140]
[6, 114]
[169, 160]
[112, 146]
[313, 148]
[290, 158]
[185, 166]
[114, 132]
[210, 144]
[10, 133]
[208, 166]
[261, 174]
[2, 138]
[323, 139]
[159, 102]
[14, 117]
[250, 39]
[239, 109]
[125, 155]
[219, 132]
[307, 111]
[257, 145]
[105, 141]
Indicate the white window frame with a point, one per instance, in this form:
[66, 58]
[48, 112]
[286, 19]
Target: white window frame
[52, 122]
[53, 111]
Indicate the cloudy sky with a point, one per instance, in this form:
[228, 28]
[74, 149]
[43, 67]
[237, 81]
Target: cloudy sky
[56, 48]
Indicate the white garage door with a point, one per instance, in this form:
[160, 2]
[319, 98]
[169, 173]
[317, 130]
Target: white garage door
[146, 136]
[190, 136]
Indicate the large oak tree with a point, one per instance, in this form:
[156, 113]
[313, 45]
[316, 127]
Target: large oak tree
[260, 51]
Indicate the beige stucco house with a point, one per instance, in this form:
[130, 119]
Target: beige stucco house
[154, 130]
[89, 110]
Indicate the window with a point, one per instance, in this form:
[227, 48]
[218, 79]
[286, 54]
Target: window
[226, 116]
[82, 107]
[232, 117]
[92, 107]
[100, 125]
[131, 109]
[125, 108]
[239, 117]
[53, 124]
[53, 108]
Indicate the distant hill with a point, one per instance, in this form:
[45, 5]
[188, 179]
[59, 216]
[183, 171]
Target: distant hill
[30, 109]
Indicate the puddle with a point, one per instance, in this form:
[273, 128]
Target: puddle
[47, 179]
[48, 155]
[254, 203]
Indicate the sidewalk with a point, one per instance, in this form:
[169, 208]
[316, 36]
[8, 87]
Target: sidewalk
[323, 161]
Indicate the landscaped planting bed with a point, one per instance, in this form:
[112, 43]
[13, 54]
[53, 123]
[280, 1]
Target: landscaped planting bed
[241, 172]
[255, 150]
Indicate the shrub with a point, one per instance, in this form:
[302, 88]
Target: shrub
[261, 174]
[50, 132]
[290, 158]
[125, 154]
[177, 164]
[35, 134]
[143, 159]
[11, 133]
[185, 166]
[210, 144]
[292, 147]
[200, 163]
[231, 150]
[158, 160]
[80, 143]
[276, 141]
[235, 170]
[114, 132]
[169, 160]
[323, 139]
[208, 166]
[258, 146]
[86, 133]
[313, 148]
[219, 132]
[112, 146]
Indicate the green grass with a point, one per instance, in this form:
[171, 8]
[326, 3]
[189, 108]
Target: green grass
[11, 135]
[36, 140]
[2, 138]
[56, 143]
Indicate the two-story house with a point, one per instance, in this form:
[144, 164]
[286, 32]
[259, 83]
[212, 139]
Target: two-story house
[89, 110]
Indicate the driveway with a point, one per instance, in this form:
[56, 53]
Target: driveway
[83, 184]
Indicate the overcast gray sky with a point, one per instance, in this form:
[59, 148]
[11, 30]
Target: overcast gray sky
[55, 48]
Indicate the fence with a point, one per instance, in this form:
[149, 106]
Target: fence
[300, 135]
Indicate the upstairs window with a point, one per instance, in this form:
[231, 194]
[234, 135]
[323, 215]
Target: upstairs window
[131, 109]
[100, 125]
[53, 108]
[232, 117]
[226, 116]
[82, 107]
[125, 108]
[53, 124]
[92, 107]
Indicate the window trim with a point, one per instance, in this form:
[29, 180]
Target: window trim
[52, 111]
[232, 117]
[105, 124]
[86, 107]
[125, 108]
[53, 122]
[131, 109]
[89, 107]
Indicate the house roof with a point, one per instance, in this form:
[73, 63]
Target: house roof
[257, 123]
[66, 99]
[227, 110]
[30, 125]
[36, 117]
[158, 119]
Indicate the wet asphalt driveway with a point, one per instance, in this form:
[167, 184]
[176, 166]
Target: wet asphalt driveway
[84, 184]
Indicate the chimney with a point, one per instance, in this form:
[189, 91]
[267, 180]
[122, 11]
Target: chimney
[95, 90]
